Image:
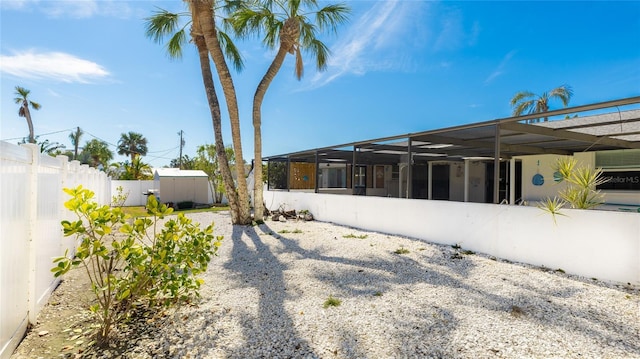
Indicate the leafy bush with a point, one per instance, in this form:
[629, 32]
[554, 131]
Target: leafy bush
[120, 197]
[147, 264]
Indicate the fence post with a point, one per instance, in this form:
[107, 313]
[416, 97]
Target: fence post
[64, 183]
[32, 213]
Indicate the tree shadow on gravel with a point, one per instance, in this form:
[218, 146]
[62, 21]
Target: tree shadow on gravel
[370, 278]
[272, 334]
[382, 274]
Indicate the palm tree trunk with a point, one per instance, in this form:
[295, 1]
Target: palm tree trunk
[202, 14]
[76, 143]
[261, 90]
[216, 117]
[27, 116]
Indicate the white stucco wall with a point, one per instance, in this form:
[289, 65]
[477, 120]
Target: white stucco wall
[594, 244]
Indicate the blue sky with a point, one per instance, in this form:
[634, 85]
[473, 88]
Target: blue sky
[396, 67]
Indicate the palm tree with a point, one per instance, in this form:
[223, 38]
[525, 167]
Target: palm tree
[22, 99]
[98, 153]
[526, 102]
[136, 170]
[75, 141]
[163, 24]
[293, 25]
[203, 16]
[132, 144]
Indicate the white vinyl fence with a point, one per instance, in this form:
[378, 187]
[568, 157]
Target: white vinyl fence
[591, 243]
[31, 208]
[134, 191]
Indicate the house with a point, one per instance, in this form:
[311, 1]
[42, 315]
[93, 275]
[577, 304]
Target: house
[175, 186]
[508, 160]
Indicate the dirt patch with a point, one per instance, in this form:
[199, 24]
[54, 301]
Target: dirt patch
[65, 327]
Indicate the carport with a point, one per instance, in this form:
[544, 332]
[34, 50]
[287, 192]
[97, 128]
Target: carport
[604, 126]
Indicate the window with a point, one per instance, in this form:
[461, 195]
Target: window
[361, 176]
[618, 159]
[333, 177]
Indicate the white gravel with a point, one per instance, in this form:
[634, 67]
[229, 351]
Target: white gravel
[264, 295]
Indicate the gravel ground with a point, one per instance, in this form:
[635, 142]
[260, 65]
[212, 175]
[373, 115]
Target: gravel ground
[264, 297]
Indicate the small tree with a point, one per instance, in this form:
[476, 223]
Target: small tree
[96, 153]
[208, 161]
[147, 264]
[581, 190]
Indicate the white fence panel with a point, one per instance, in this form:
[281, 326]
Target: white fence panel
[134, 191]
[590, 243]
[31, 208]
[14, 245]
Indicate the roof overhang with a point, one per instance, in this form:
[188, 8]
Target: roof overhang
[594, 127]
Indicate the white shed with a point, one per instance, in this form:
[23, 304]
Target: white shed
[177, 185]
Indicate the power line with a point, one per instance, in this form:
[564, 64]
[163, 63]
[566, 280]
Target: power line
[38, 135]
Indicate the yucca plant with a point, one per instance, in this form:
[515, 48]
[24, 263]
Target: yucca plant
[581, 191]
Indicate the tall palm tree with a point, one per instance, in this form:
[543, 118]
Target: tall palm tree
[166, 24]
[24, 102]
[98, 153]
[526, 102]
[293, 25]
[203, 16]
[132, 144]
[74, 137]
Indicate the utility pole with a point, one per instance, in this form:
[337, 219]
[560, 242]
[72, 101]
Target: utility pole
[181, 145]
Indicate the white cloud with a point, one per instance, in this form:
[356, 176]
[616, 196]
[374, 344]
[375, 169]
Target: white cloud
[56, 66]
[366, 46]
[78, 9]
[500, 69]
[13, 4]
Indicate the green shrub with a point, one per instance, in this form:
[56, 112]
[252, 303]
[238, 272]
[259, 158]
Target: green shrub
[146, 264]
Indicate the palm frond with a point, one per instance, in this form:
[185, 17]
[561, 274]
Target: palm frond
[35, 105]
[307, 33]
[161, 24]
[231, 51]
[524, 107]
[331, 16]
[174, 46]
[272, 33]
[294, 7]
[520, 96]
[321, 53]
[22, 92]
[563, 93]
